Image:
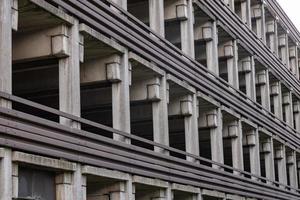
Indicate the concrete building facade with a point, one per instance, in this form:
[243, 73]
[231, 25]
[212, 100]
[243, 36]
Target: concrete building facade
[148, 100]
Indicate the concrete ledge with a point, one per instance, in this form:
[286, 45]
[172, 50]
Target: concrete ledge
[185, 188]
[234, 197]
[181, 83]
[146, 63]
[89, 170]
[54, 11]
[213, 193]
[231, 112]
[208, 99]
[83, 28]
[150, 181]
[250, 123]
[43, 161]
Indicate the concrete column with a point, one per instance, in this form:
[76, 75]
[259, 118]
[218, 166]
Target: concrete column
[64, 188]
[262, 80]
[121, 3]
[292, 168]
[160, 117]
[277, 98]
[187, 30]
[272, 35]
[156, 12]
[258, 14]
[246, 66]
[228, 51]
[6, 175]
[211, 118]
[268, 153]
[69, 78]
[245, 12]
[189, 109]
[79, 184]
[6, 50]
[121, 100]
[296, 109]
[293, 60]
[283, 49]
[288, 108]
[206, 32]
[15, 180]
[237, 147]
[216, 139]
[251, 139]
[233, 130]
[280, 159]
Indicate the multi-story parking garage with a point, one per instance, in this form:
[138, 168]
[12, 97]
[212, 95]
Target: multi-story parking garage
[148, 100]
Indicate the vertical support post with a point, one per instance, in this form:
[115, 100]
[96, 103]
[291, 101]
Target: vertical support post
[277, 98]
[251, 139]
[15, 180]
[237, 146]
[288, 108]
[187, 31]
[283, 49]
[156, 12]
[272, 36]
[268, 152]
[121, 101]
[160, 117]
[216, 140]
[280, 159]
[293, 60]
[296, 109]
[69, 79]
[258, 14]
[262, 80]
[191, 125]
[246, 12]
[6, 50]
[64, 188]
[292, 167]
[212, 50]
[79, 184]
[6, 175]
[247, 67]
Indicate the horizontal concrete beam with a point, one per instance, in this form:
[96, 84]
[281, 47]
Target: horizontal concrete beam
[136, 58]
[185, 188]
[31, 159]
[150, 181]
[88, 31]
[213, 193]
[102, 172]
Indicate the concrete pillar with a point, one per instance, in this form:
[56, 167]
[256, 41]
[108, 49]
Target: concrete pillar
[69, 78]
[212, 119]
[160, 117]
[6, 175]
[156, 12]
[267, 152]
[121, 100]
[79, 184]
[275, 89]
[283, 49]
[258, 14]
[233, 130]
[246, 12]
[287, 103]
[272, 35]
[216, 139]
[292, 168]
[293, 60]
[121, 3]
[15, 180]
[64, 188]
[296, 110]
[187, 29]
[207, 33]
[262, 81]
[246, 66]
[280, 159]
[228, 51]
[251, 139]
[6, 50]
[189, 109]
